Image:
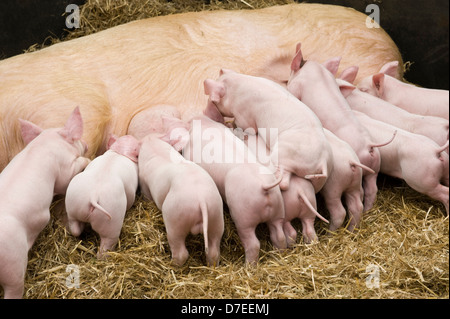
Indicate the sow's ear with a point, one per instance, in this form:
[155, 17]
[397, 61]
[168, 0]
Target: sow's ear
[29, 131]
[73, 129]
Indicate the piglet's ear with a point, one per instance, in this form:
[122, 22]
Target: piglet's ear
[297, 62]
[73, 129]
[378, 83]
[29, 131]
[346, 88]
[332, 65]
[225, 71]
[177, 137]
[390, 68]
[112, 139]
[349, 74]
[214, 89]
[170, 123]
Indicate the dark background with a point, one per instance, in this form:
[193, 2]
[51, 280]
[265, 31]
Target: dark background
[419, 28]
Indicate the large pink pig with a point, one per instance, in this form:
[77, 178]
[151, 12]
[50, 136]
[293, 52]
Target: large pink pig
[299, 199]
[414, 99]
[104, 191]
[344, 181]
[418, 160]
[164, 60]
[436, 128]
[315, 85]
[186, 195]
[27, 185]
[300, 147]
[249, 188]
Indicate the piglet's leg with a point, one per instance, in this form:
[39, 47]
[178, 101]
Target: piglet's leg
[106, 244]
[370, 190]
[337, 211]
[308, 231]
[440, 193]
[355, 209]
[14, 291]
[75, 227]
[277, 235]
[178, 248]
[290, 233]
[251, 244]
[13, 267]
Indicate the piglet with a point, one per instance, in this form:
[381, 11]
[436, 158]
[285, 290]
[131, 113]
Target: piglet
[51, 158]
[436, 128]
[345, 181]
[315, 85]
[416, 159]
[186, 195]
[414, 99]
[104, 191]
[250, 190]
[299, 199]
[256, 103]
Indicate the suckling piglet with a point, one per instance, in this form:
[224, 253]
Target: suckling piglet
[415, 158]
[299, 199]
[186, 195]
[250, 189]
[51, 158]
[104, 191]
[414, 99]
[434, 127]
[315, 85]
[256, 103]
[344, 181]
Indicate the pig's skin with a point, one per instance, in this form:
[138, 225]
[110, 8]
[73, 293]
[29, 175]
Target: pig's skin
[436, 128]
[186, 195]
[165, 60]
[418, 160]
[242, 185]
[103, 192]
[27, 185]
[315, 85]
[257, 103]
[345, 180]
[414, 99]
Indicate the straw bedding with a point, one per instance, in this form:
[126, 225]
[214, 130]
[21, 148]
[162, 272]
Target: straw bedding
[404, 237]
